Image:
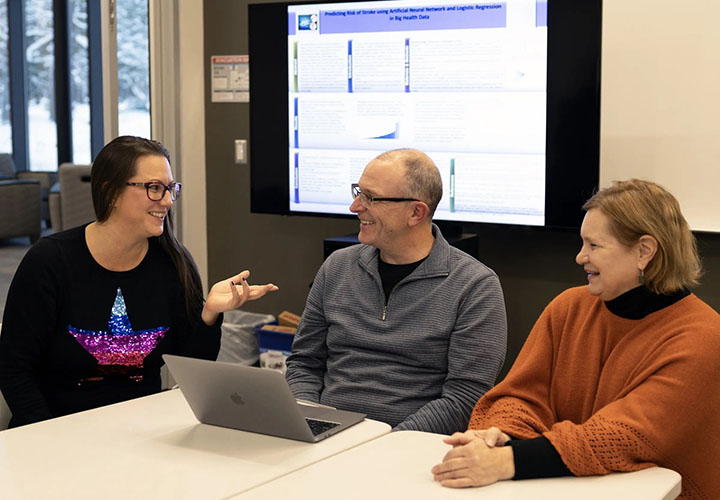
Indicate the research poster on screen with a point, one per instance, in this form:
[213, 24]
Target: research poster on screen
[463, 82]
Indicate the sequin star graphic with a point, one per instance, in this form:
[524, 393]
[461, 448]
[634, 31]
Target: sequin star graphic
[120, 345]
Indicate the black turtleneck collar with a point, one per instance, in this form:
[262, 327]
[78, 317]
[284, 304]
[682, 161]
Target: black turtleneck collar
[639, 302]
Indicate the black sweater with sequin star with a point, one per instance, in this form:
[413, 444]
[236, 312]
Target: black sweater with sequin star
[76, 336]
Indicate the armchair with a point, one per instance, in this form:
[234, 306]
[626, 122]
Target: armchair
[20, 209]
[8, 171]
[70, 199]
[5, 412]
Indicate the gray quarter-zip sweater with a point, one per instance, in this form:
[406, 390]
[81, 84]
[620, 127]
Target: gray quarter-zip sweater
[419, 362]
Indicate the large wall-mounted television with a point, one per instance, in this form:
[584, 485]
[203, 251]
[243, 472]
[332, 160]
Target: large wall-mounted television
[503, 96]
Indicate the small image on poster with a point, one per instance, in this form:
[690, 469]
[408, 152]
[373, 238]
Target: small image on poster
[308, 22]
[230, 78]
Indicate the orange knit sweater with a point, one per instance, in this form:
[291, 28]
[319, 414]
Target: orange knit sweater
[615, 394]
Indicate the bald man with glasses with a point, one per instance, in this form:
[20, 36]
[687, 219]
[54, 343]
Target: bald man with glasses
[403, 327]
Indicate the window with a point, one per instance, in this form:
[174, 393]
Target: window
[79, 81]
[5, 129]
[50, 52]
[133, 61]
[40, 60]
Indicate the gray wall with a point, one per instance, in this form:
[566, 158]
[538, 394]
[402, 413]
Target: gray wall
[534, 264]
[284, 250]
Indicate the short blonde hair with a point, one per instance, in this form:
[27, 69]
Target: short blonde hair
[636, 208]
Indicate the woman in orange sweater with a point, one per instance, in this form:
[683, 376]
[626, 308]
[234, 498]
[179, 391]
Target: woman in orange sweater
[618, 375]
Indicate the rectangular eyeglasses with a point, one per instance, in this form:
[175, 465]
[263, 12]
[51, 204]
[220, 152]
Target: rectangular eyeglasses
[368, 199]
[156, 190]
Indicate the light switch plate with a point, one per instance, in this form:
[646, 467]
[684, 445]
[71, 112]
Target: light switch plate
[241, 151]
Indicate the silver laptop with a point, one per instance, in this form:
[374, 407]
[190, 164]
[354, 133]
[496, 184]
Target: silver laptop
[253, 399]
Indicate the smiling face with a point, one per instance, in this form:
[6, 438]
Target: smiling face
[382, 223]
[612, 268]
[133, 210]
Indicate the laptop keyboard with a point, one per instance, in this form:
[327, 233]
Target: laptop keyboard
[320, 426]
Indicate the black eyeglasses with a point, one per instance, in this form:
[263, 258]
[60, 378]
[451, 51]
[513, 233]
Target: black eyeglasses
[367, 199]
[156, 190]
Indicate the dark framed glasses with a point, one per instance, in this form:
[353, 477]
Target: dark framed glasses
[368, 199]
[156, 190]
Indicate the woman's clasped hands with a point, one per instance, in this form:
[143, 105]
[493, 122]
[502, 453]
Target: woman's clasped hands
[478, 458]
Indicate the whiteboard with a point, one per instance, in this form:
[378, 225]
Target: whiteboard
[660, 100]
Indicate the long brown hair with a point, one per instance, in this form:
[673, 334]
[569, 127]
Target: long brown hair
[111, 170]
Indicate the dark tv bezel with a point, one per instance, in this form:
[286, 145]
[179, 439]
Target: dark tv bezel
[573, 110]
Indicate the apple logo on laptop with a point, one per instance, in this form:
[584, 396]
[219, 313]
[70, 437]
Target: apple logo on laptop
[237, 398]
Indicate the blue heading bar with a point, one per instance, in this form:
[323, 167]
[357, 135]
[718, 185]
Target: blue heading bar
[424, 17]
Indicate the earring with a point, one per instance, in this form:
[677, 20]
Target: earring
[641, 277]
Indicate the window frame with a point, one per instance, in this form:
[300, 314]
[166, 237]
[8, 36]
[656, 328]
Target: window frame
[19, 96]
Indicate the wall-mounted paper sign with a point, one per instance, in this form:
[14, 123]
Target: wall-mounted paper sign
[230, 78]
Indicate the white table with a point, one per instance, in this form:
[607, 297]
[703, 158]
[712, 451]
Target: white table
[152, 448]
[398, 465]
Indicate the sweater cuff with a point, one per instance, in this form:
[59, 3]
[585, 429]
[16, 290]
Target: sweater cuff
[536, 458]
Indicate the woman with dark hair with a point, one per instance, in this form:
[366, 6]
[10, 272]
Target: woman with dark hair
[91, 310]
[618, 375]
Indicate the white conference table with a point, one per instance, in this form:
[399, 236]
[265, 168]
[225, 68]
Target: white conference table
[152, 448]
[398, 465]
